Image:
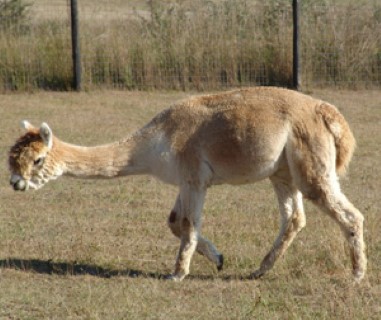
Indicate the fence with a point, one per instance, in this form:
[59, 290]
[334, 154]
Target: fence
[199, 44]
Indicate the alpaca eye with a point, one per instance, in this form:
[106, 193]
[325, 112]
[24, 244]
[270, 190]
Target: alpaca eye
[38, 161]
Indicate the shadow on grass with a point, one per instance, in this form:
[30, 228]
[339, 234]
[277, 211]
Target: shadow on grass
[72, 268]
[75, 269]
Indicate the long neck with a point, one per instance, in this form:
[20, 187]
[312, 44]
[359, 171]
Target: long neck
[116, 159]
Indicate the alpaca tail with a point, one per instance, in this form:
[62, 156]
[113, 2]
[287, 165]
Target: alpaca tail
[344, 141]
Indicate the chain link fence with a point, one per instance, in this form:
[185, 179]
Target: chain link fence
[189, 45]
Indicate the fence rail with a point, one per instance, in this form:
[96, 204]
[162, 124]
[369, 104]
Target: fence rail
[199, 44]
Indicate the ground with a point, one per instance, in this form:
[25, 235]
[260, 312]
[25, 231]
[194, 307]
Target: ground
[83, 249]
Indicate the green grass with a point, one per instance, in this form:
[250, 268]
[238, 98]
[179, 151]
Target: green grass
[80, 249]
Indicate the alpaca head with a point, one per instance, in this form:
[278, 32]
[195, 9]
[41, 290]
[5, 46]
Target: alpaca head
[30, 163]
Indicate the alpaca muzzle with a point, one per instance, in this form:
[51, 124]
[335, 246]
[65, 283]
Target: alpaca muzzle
[18, 183]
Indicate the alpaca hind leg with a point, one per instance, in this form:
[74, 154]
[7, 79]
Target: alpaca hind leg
[314, 173]
[350, 220]
[204, 246]
[292, 221]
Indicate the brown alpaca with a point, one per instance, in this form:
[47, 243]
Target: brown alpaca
[235, 137]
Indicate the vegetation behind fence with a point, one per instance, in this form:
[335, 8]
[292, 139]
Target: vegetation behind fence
[200, 44]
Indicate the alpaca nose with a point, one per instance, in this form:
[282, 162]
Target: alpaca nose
[19, 184]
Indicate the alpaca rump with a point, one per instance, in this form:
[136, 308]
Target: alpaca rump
[300, 143]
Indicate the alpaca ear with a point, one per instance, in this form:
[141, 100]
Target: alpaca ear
[46, 135]
[26, 125]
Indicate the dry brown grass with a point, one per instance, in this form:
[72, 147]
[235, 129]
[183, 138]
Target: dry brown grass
[192, 44]
[96, 249]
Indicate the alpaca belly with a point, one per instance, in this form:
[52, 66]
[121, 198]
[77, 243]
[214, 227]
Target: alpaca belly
[246, 173]
[248, 166]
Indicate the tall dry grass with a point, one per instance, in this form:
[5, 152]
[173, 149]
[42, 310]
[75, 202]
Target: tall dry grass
[197, 44]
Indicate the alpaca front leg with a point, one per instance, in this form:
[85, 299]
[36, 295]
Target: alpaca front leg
[187, 248]
[204, 246]
[192, 201]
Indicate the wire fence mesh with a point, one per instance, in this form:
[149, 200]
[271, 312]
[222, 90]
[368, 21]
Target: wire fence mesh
[200, 44]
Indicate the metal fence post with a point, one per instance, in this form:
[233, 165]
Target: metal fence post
[75, 45]
[296, 70]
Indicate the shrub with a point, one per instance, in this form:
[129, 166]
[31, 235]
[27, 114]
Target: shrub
[12, 13]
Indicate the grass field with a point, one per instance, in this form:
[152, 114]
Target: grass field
[81, 249]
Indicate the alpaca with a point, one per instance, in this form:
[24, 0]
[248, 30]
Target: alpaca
[242, 136]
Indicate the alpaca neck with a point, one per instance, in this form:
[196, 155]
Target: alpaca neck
[107, 161]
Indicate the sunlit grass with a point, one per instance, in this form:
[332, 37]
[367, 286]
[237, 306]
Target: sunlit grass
[97, 249]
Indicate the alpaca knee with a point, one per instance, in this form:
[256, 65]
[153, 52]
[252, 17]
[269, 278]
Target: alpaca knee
[172, 217]
[299, 222]
[354, 231]
[173, 223]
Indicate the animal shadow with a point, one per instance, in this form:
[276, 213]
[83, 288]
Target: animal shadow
[72, 268]
[50, 267]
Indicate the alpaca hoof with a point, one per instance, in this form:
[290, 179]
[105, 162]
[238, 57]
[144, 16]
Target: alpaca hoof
[171, 277]
[257, 274]
[220, 264]
[174, 277]
[358, 275]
